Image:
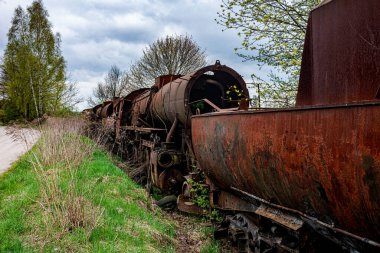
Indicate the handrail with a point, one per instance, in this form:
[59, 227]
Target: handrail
[213, 105]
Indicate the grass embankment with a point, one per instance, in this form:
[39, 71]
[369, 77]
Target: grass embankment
[65, 195]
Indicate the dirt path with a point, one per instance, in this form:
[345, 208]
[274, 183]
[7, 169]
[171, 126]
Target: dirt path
[12, 146]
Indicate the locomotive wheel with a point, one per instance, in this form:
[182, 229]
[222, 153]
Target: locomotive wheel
[243, 232]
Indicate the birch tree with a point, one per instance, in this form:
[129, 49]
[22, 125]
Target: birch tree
[33, 66]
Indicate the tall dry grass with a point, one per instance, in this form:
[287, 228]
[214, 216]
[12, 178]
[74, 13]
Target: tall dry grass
[62, 142]
[57, 159]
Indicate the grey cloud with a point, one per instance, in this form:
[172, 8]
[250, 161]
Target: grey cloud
[98, 33]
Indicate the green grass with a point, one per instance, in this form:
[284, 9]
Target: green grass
[212, 246]
[18, 188]
[126, 224]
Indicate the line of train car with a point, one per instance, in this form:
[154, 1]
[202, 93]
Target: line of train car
[284, 175]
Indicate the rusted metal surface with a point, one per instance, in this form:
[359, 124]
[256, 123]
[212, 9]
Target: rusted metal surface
[134, 94]
[169, 180]
[250, 236]
[210, 82]
[119, 120]
[116, 102]
[341, 237]
[98, 110]
[162, 80]
[322, 161]
[107, 110]
[185, 205]
[341, 58]
[276, 215]
[172, 130]
[95, 108]
[212, 105]
[123, 111]
[230, 202]
[139, 107]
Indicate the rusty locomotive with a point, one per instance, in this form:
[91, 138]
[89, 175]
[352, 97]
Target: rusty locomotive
[289, 174]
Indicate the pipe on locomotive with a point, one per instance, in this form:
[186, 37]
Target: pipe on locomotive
[168, 159]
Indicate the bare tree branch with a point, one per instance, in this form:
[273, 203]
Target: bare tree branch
[116, 84]
[173, 55]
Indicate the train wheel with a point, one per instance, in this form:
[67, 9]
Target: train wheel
[243, 233]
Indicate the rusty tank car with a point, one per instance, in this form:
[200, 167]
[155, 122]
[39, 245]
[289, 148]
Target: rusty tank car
[288, 177]
[316, 165]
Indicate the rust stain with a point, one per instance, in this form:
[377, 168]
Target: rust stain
[341, 57]
[322, 161]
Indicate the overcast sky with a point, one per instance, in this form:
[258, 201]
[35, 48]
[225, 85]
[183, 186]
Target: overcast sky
[99, 33]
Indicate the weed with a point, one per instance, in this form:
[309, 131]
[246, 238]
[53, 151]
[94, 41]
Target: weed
[200, 196]
[212, 246]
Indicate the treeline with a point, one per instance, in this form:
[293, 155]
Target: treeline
[33, 72]
[171, 55]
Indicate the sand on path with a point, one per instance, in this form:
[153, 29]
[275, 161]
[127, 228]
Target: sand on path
[12, 146]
